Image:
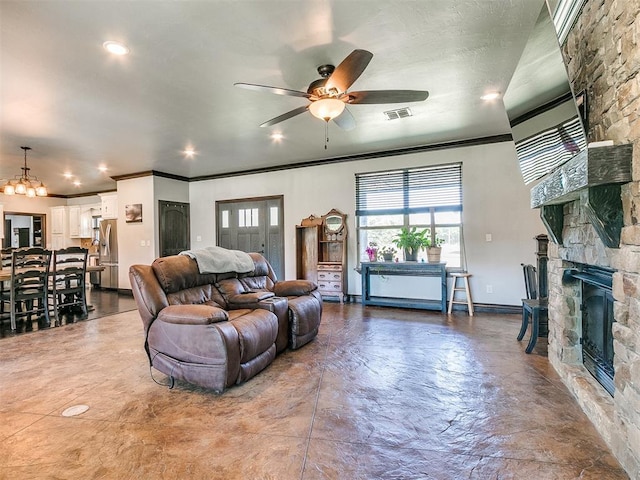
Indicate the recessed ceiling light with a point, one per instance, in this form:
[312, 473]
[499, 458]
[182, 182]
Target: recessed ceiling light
[116, 48]
[277, 136]
[490, 96]
[77, 183]
[189, 152]
[67, 174]
[102, 168]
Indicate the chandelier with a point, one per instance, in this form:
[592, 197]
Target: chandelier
[25, 184]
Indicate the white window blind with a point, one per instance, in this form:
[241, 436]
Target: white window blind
[407, 191]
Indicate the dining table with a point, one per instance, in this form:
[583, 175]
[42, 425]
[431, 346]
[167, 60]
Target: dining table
[5, 272]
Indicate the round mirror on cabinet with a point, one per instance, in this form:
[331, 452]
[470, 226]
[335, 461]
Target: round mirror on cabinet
[333, 223]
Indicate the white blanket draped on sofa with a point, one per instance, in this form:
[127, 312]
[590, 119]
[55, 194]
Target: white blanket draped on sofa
[221, 260]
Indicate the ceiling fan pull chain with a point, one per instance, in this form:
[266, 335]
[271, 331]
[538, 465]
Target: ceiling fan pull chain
[326, 133]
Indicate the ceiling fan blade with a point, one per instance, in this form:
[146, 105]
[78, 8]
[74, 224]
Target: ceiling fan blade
[276, 90]
[345, 120]
[285, 116]
[387, 96]
[349, 70]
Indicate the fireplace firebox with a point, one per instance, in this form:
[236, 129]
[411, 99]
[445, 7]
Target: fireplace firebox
[597, 322]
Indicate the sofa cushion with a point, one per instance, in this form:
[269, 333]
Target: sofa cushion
[257, 331]
[193, 314]
[179, 272]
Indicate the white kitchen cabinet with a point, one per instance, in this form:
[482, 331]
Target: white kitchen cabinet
[74, 221]
[109, 205]
[79, 221]
[58, 217]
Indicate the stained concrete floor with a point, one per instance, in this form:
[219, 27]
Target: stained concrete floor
[380, 394]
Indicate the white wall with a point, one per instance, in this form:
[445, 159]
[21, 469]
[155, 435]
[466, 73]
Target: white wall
[495, 201]
[136, 241]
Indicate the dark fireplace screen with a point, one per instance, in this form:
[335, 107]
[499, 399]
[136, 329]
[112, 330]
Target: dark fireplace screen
[597, 321]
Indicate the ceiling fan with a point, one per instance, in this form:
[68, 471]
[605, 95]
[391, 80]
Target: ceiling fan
[328, 95]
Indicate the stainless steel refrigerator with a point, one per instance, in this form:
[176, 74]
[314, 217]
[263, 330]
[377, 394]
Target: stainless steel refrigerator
[109, 253]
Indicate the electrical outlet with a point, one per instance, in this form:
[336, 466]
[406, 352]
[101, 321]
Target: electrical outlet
[488, 237]
[198, 238]
[489, 288]
[142, 243]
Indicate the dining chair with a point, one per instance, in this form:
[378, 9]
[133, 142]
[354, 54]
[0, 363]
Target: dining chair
[533, 307]
[67, 282]
[27, 291]
[5, 256]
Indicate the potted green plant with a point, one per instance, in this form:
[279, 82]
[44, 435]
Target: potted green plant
[435, 251]
[387, 253]
[411, 240]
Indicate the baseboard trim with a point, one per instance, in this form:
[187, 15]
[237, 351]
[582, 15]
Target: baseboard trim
[478, 307]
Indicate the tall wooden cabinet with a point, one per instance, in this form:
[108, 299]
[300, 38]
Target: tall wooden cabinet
[321, 253]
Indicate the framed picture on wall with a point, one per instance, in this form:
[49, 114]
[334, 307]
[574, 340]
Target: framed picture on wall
[133, 213]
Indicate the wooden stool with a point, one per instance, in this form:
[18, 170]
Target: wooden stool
[463, 288]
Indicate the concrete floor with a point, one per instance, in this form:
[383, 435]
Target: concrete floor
[381, 393]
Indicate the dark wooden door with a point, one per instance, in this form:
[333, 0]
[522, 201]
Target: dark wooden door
[174, 232]
[6, 241]
[253, 225]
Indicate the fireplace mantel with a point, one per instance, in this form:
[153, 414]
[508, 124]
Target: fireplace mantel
[594, 177]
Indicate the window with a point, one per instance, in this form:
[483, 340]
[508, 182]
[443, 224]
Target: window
[425, 198]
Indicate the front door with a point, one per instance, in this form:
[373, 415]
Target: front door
[174, 227]
[253, 225]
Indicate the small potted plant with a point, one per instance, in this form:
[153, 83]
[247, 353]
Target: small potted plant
[412, 240]
[434, 251]
[372, 251]
[387, 253]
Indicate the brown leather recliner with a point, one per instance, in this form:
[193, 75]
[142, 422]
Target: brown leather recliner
[216, 330]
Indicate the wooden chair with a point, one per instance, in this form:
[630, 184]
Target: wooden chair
[534, 307]
[27, 293]
[67, 282]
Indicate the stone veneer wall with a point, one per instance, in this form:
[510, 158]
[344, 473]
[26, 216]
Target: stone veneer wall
[602, 53]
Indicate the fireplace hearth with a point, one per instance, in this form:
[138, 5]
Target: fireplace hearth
[597, 320]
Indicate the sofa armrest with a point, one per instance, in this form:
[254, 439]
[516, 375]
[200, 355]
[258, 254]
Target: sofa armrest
[294, 288]
[240, 300]
[192, 314]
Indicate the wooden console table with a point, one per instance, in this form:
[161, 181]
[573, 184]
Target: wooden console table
[409, 269]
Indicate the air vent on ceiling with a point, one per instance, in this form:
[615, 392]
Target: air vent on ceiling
[398, 113]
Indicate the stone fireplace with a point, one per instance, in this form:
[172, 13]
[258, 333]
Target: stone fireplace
[596, 328]
[602, 54]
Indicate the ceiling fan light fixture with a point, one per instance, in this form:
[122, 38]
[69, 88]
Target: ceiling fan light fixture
[326, 108]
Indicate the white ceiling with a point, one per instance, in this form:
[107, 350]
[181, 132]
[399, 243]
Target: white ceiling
[78, 106]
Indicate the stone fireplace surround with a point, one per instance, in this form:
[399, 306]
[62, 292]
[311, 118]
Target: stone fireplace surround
[615, 418]
[602, 55]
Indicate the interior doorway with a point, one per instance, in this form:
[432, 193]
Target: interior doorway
[253, 225]
[24, 230]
